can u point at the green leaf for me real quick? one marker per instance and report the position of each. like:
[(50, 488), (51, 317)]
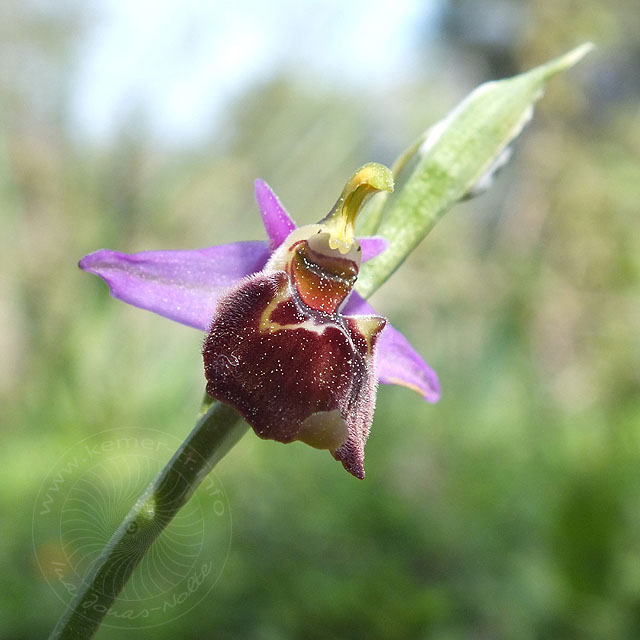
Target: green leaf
[(456, 157)]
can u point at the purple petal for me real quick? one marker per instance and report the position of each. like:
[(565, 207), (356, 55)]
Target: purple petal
[(180, 285), (372, 246), (398, 362), (274, 216)]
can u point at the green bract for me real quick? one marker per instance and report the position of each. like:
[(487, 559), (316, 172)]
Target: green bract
[(455, 157)]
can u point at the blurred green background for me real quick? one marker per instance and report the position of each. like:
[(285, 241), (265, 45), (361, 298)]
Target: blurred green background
[(511, 509)]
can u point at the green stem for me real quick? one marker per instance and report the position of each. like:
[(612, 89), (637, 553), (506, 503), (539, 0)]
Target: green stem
[(216, 432)]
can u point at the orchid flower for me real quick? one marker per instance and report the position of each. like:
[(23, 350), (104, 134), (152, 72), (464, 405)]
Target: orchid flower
[(290, 345)]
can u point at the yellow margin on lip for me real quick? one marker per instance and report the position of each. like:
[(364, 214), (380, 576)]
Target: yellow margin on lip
[(267, 326)]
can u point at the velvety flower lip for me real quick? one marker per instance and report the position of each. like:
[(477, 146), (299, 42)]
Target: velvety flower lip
[(185, 286)]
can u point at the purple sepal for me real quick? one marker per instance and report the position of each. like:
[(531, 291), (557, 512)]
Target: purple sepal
[(398, 362), (181, 285), (275, 218)]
